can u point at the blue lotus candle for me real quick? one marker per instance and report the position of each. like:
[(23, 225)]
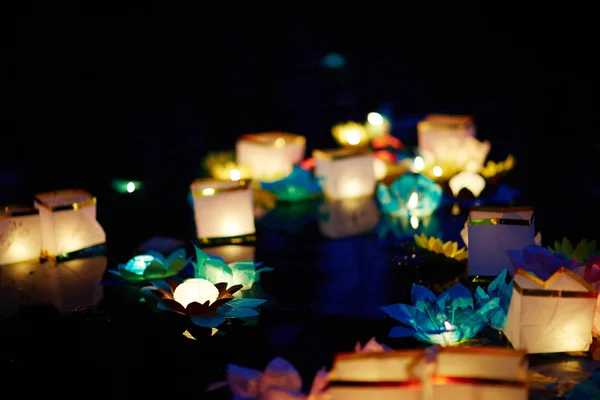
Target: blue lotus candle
[(299, 185), (151, 265), (501, 290), (411, 194)]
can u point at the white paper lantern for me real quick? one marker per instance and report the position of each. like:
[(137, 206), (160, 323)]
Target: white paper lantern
[(271, 155), (20, 236), (551, 316), (68, 222), (478, 373), (471, 181), (223, 210), (383, 376), (436, 127), (349, 217), (345, 173)]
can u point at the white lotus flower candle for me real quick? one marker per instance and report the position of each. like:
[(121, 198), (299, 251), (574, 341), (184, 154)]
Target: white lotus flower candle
[(469, 180)]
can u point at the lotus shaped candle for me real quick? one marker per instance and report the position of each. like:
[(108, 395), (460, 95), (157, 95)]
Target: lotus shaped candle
[(215, 270), (411, 194), (372, 346), (449, 249), (493, 169), (539, 261), (498, 288), (471, 181), (207, 305), (451, 155), (298, 186), (448, 319), (280, 380), (222, 165), (581, 252), (152, 265), (351, 134)]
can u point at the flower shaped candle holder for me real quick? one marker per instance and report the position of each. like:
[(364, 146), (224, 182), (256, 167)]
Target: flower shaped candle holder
[(298, 186), (207, 305), (223, 210), (351, 134), (580, 252), (345, 173), (68, 222), (494, 170), (448, 319), (539, 261), (222, 166), (500, 289), (151, 266), (20, 237), (271, 155), (452, 155), (449, 249), (411, 194), (439, 127), (471, 181)]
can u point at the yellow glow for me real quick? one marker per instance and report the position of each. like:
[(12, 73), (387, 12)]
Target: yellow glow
[(195, 290), (208, 191), (380, 168), (130, 187), (279, 142), (437, 171), (418, 164), (235, 175), (414, 222), (353, 138), (375, 119), (350, 187), (467, 180), (231, 228), (413, 201)]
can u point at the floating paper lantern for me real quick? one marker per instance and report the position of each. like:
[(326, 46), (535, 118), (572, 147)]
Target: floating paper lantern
[(436, 127), (471, 181), (378, 375), (551, 316), (345, 173), (270, 156), (477, 373), (411, 194), (20, 236), (223, 210), (351, 134), (68, 222), (492, 231), (350, 217)]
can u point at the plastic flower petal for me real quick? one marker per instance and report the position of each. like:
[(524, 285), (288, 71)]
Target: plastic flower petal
[(152, 265), (449, 249), (539, 261), (501, 290), (580, 252), (411, 194), (299, 185)]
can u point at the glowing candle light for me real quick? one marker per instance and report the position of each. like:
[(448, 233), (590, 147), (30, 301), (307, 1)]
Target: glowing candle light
[(418, 164), (437, 171), (196, 290), (413, 201)]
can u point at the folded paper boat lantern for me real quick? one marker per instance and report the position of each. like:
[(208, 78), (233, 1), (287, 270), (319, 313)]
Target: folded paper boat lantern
[(223, 210), (550, 316), (377, 375), (478, 373), (344, 218), (492, 231), (345, 173), (436, 127), (20, 236), (271, 155), (68, 222)]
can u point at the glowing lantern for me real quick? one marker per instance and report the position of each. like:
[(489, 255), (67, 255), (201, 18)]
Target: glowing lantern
[(436, 127), (477, 373), (68, 222), (125, 186), (270, 156), (223, 210), (378, 375), (492, 231), (350, 217), (351, 134), (196, 290), (377, 125), (411, 194), (550, 316), (345, 173), (471, 181), (20, 237)]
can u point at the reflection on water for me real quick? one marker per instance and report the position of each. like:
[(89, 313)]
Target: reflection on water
[(232, 253), (405, 227), (66, 285), (349, 217)]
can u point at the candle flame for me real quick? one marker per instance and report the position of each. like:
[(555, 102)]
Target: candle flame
[(414, 222), (235, 175), (208, 191), (437, 171), (448, 326), (353, 138), (418, 164), (413, 200)]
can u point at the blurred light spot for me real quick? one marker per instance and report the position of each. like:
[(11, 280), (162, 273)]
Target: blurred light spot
[(334, 60)]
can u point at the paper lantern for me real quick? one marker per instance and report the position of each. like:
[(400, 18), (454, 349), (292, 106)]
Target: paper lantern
[(494, 230), (195, 290), (386, 375), (223, 210), (232, 252), (350, 217), (471, 181), (68, 222), (477, 373), (270, 156), (345, 173), (351, 134), (436, 127), (550, 316), (20, 236)]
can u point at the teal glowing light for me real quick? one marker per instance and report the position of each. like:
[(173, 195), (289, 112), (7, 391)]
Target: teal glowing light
[(152, 265), (125, 186), (411, 194), (497, 289), (299, 185), (334, 61), (448, 319), (138, 264)]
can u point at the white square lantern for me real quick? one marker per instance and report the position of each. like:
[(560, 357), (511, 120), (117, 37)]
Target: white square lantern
[(550, 316), (489, 373), (435, 127), (20, 236), (68, 222), (271, 155), (383, 376), (223, 210), (349, 217), (345, 173), (492, 231)]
